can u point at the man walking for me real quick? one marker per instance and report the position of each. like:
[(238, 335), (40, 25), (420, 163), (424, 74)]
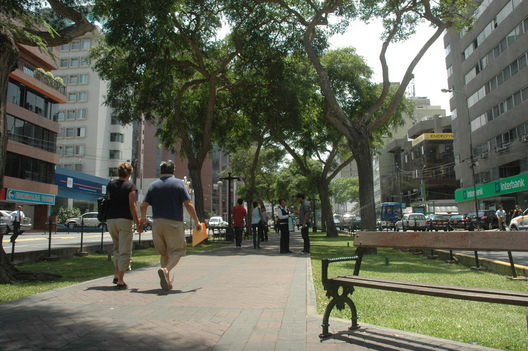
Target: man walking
[(239, 213), (166, 196), (304, 217), (17, 217), (283, 215)]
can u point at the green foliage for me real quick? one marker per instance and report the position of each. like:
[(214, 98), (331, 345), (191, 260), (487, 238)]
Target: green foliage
[(266, 173), (492, 325), (345, 189), (63, 214)]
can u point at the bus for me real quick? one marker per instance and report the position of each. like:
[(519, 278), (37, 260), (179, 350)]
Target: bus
[(388, 213)]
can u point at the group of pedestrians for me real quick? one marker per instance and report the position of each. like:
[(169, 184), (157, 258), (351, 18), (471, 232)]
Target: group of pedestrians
[(167, 196), (259, 223), (503, 219)]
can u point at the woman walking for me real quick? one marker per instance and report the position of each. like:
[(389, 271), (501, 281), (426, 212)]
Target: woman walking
[(255, 225), (122, 213)]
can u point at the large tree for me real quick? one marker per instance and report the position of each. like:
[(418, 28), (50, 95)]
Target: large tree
[(34, 23), (166, 61), (400, 18)]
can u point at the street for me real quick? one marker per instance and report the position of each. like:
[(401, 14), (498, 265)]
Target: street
[(39, 241)]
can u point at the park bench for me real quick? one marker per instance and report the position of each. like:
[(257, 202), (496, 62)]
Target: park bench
[(339, 288)]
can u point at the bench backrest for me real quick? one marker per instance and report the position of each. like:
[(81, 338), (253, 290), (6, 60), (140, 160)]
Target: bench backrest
[(476, 240)]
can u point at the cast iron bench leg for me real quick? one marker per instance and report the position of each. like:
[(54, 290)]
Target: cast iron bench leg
[(339, 301)]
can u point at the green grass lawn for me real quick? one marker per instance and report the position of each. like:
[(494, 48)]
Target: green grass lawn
[(486, 324), (79, 269)]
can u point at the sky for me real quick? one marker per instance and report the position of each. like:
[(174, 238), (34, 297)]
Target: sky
[(430, 75)]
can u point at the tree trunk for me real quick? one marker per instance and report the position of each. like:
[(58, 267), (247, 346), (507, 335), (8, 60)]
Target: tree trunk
[(362, 152), (327, 217), (195, 171)]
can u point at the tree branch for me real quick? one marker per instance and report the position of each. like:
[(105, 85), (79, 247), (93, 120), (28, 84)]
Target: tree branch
[(396, 99)]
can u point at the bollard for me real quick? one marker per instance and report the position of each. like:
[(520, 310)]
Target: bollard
[(477, 262), (451, 258), (12, 251), (512, 265), (100, 251), (81, 252), (50, 257)]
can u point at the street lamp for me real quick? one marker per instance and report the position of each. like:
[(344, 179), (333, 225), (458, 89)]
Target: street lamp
[(471, 157), (229, 178)]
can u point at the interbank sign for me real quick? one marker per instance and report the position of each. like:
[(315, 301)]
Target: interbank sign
[(498, 187)]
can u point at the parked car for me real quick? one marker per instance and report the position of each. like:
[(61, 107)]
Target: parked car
[(520, 222), (5, 216), (437, 222), (486, 219), (458, 221), (412, 221), (89, 219), (218, 221), (148, 224), (337, 222)]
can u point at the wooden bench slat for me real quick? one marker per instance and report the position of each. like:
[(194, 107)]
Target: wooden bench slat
[(445, 287), (434, 291), (476, 240)]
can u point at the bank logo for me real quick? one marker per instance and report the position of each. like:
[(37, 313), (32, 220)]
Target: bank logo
[(497, 187)]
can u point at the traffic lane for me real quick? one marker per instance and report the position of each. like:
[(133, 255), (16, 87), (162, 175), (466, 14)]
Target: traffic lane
[(518, 257), (39, 241)]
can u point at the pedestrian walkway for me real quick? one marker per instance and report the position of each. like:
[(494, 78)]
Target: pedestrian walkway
[(226, 299)]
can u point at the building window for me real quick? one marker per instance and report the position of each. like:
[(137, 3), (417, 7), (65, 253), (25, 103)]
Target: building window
[(65, 47), (83, 78), (74, 80), (86, 44), (61, 115), (85, 61), (30, 134), (117, 137), (83, 96), (23, 167), (115, 154), (114, 121), (64, 63), (75, 45), (113, 172), (74, 62), (82, 113), (14, 93), (72, 97)]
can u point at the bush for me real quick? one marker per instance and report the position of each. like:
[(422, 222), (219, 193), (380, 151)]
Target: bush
[(64, 213)]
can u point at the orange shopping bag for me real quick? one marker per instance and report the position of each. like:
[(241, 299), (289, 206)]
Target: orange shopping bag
[(199, 235)]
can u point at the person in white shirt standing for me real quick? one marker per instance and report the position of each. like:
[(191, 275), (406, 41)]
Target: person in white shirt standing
[(501, 217), (17, 217)]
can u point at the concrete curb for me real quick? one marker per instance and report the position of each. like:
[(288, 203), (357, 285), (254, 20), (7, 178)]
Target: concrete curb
[(495, 266)]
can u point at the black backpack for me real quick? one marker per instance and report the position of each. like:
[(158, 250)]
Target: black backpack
[(103, 204)]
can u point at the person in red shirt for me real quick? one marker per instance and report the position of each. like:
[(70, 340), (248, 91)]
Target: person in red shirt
[(239, 214)]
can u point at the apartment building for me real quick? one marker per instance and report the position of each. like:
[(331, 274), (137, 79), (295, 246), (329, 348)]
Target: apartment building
[(416, 164), (33, 98), (488, 79), (90, 140)]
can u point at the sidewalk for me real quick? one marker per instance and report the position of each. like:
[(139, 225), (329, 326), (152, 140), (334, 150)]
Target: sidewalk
[(226, 299)]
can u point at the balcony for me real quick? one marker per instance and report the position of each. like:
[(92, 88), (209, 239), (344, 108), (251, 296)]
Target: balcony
[(40, 82), (50, 81)]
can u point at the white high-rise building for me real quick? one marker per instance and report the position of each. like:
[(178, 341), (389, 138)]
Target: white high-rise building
[(90, 141)]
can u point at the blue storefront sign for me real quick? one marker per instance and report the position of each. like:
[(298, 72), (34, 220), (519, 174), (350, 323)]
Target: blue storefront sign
[(79, 186), (29, 197)]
